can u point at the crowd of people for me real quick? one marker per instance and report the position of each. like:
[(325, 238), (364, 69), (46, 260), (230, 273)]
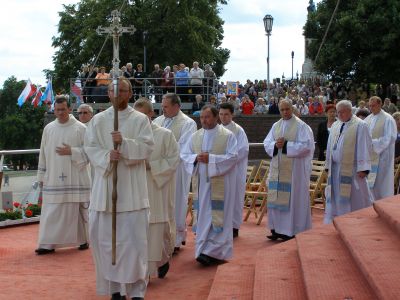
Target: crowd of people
[(158, 161)]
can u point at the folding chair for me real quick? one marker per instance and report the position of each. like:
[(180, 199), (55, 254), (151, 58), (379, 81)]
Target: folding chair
[(317, 179)]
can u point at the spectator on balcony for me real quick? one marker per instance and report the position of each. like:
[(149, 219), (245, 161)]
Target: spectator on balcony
[(273, 108), (389, 107), (167, 80), (181, 81), (129, 73), (196, 79), (302, 108), (102, 78), (236, 104), (361, 105), (323, 130), (260, 107), (197, 105), (222, 100), (220, 94), (139, 81), (213, 101), (209, 79), (315, 106), (247, 105), (157, 76)]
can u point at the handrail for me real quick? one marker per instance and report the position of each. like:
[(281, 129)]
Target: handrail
[(12, 152)]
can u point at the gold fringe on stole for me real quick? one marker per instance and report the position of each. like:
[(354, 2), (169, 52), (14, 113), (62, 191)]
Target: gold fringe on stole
[(217, 183), (280, 177), (348, 157), (377, 132)]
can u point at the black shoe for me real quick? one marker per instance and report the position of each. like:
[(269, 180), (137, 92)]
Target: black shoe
[(274, 236), (204, 260), (163, 270), (83, 246), (183, 243), (42, 251), (137, 298), (117, 296), (235, 232), (286, 237)]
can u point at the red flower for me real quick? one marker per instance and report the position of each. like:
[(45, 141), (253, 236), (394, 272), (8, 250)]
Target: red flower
[(28, 213), (30, 204), (16, 204)]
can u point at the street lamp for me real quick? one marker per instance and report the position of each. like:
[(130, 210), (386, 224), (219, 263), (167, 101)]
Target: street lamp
[(268, 22), (292, 63)]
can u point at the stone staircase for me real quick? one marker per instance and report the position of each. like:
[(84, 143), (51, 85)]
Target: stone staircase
[(356, 257)]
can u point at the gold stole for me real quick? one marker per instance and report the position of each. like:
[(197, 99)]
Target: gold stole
[(216, 183), (377, 132), (232, 126), (348, 157), (280, 176)]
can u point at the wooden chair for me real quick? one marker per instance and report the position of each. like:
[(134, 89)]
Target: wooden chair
[(258, 196), (261, 173), (249, 180), (317, 180)]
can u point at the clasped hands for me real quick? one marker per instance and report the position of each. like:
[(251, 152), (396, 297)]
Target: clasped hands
[(202, 157), (280, 142), (66, 150), (115, 155)]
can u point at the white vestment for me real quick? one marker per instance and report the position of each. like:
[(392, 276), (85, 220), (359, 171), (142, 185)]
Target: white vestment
[(241, 170), (384, 147), (298, 217), (215, 244), (129, 275), (182, 127), (161, 186), (360, 196), (66, 186)]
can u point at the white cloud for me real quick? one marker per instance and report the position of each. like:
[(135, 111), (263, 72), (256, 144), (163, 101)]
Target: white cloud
[(28, 26)]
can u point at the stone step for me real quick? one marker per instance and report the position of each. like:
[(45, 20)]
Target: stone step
[(389, 211), (232, 281), (375, 249), (277, 273), (329, 271)]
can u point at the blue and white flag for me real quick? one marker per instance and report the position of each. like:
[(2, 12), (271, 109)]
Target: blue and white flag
[(48, 95)]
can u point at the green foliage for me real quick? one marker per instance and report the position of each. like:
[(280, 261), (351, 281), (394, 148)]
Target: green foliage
[(35, 208), (21, 128), (362, 42), (10, 215), (178, 31)]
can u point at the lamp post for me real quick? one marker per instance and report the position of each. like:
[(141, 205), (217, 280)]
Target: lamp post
[(268, 22), (144, 50), (292, 63)]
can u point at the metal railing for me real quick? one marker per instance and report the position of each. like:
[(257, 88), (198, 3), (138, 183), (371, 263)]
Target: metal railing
[(152, 88)]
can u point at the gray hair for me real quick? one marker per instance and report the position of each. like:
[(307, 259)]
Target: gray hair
[(85, 106), (344, 103), (396, 115)]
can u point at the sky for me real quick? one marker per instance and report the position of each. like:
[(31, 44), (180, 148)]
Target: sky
[(28, 27)]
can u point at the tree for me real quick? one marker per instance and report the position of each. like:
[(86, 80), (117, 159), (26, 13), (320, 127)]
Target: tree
[(178, 31), (21, 128), (362, 42)]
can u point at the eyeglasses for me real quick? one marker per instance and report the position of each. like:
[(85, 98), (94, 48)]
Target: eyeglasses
[(82, 113)]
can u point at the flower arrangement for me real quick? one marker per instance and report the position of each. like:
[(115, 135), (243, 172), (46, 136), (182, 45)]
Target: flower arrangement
[(20, 211)]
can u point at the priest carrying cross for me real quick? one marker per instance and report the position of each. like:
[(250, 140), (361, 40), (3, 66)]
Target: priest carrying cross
[(135, 139)]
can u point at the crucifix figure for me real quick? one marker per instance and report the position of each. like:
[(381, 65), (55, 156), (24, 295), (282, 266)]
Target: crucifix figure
[(115, 30), (62, 177)]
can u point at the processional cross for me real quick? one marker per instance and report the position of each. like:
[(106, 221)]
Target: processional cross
[(115, 30)]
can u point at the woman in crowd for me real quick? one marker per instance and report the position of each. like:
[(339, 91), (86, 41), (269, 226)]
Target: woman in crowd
[(260, 107), (324, 129), (247, 106), (167, 82)]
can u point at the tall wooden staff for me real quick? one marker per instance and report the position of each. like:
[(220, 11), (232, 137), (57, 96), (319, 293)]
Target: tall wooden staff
[(115, 30)]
